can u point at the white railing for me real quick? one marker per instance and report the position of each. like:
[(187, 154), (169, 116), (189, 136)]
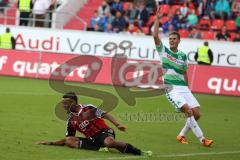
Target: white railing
[(69, 6), (58, 20)]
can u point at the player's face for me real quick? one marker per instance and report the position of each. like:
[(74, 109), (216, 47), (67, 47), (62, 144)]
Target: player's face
[(173, 41), (69, 104)]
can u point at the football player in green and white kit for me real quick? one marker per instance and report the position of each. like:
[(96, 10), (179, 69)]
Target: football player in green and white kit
[(174, 63)]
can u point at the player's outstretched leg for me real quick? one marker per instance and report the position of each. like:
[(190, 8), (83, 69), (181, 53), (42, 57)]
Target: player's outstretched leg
[(181, 136), (123, 147), (192, 123), (82, 143)]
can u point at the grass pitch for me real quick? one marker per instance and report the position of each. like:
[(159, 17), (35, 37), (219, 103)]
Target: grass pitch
[(27, 116)]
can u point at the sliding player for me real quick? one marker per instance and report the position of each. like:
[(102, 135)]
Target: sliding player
[(89, 120)]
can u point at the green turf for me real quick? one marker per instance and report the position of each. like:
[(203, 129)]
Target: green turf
[(27, 115)]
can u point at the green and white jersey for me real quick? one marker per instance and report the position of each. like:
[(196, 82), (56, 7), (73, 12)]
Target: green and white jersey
[(174, 65)]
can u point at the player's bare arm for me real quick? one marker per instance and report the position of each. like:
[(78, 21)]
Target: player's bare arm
[(156, 28), (115, 122), (185, 77)]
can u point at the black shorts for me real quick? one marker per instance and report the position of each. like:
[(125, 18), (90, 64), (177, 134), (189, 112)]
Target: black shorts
[(97, 141)]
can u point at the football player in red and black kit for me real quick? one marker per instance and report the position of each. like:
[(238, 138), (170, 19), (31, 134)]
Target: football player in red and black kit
[(89, 120)]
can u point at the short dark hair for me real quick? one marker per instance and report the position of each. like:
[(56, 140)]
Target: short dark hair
[(71, 95), (7, 30), (175, 33), (205, 43)]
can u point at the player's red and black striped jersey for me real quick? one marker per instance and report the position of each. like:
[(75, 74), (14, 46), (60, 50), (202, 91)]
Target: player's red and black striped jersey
[(89, 122)]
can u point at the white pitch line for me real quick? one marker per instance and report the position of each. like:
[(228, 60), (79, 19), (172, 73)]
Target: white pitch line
[(164, 156), (199, 154)]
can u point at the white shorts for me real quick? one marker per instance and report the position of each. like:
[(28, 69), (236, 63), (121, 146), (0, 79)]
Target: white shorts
[(180, 95)]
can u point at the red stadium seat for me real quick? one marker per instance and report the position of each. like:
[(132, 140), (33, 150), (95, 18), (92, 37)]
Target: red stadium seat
[(165, 9), (233, 35), (217, 24), (204, 24), (230, 25), (125, 6), (164, 19), (174, 8), (183, 33), (1, 20), (145, 30), (208, 35), (151, 20)]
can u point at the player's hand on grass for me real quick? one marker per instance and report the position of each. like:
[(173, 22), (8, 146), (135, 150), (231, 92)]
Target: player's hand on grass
[(122, 128)]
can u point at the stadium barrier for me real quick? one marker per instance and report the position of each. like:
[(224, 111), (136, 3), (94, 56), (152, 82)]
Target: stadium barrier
[(40, 65), (91, 43)]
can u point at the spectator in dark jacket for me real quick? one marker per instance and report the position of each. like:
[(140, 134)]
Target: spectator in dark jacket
[(143, 15), (237, 38), (223, 35), (117, 5), (132, 12), (119, 23), (3, 3)]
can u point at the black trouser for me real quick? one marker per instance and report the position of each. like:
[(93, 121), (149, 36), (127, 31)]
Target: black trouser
[(24, 22), (203, 63), (96, 141)]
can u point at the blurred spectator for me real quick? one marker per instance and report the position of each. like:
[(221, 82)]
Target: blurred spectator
[(237, 38), (116, 5), (182, 22), (25, 7), (159, 2), (40, 9), (95, 19), (150, 5), (223, 35), (53, 4), (205, 7), (104, 8), (235, 8), (108, 28), (105, 20), (238, 23), (132, 29), (2, 5), (143, 15), (222, 10), (170, 24), (184, 9), (204, 55), (132, 12), (109, 2), (119, 23), (192, 18), (196, 3), (195, 33), (170, 29), (97, 28), (7, 41), (167, 2), (190, 4)]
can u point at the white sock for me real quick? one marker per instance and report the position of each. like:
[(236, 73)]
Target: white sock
[(185, 129), (195, 128)]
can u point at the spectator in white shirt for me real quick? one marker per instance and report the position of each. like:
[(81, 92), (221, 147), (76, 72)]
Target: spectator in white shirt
[(40, 9)]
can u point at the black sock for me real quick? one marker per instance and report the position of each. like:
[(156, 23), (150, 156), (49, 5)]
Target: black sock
[(133, 150)]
